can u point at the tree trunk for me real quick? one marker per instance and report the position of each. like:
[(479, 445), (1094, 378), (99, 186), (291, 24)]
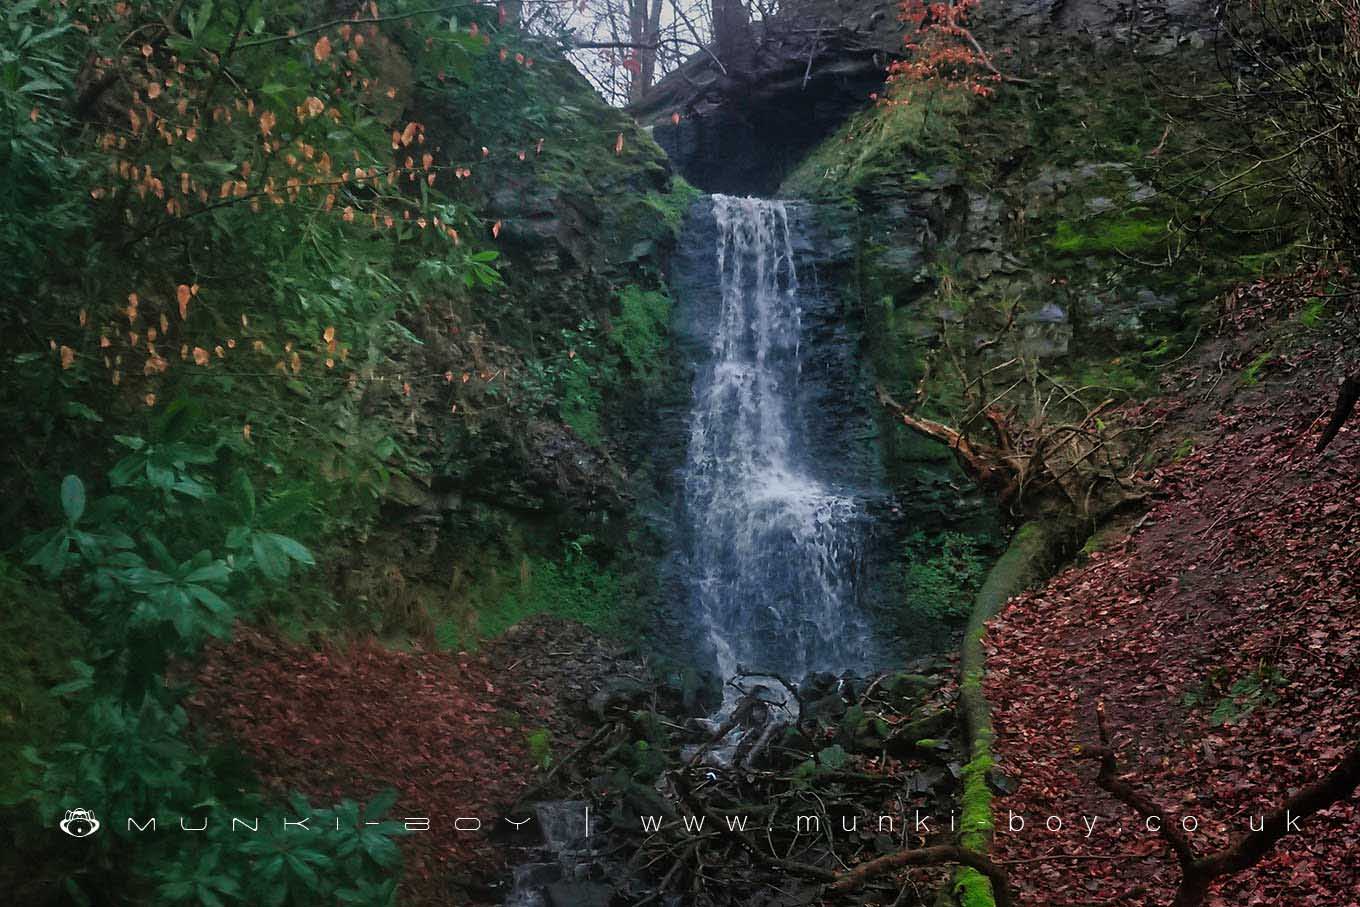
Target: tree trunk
[(731, 33)]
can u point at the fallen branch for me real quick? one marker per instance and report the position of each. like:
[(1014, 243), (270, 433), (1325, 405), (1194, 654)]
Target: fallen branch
[(1199, 873), (928, 856), (1346, 399)]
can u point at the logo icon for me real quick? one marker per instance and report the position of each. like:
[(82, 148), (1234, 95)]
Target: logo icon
[(79, 823)]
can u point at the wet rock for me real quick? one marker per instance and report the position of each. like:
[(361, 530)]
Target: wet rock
[(905, 738), (829, 709), (579, 894), (618, 694)]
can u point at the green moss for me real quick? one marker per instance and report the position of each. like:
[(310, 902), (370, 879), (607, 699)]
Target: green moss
[(973, 889), (639, 331), (1109, 234), (581, 402), (673, 205), (1251, 375), (540, 747), (885, 144)]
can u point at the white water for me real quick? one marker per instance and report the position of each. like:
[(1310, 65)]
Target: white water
[(774, 547)]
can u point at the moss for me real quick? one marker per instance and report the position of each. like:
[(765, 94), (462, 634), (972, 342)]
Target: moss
[(1108, 235), (581, 401), (885, 144), (639, 332), (673, 205), (1032, 551), (1251, 375), (973, 889), (540, 747)]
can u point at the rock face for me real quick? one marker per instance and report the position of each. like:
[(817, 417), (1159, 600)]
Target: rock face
[(1108, 19), (745, 123)]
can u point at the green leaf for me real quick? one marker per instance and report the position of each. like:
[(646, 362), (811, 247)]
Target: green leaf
[(73, 498), (79, 410), (272, 561), (292, 549), (245, 494), (83, 680)]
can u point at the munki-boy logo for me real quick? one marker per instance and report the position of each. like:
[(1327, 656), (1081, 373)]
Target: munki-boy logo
[(79, 823)]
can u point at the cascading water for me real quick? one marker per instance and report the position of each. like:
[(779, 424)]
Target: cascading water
[(774, 545)]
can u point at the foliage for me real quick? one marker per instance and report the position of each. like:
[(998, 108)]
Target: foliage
[(943, 572), (255, 217), (575, 587), (1233, 702), (152, 594), (941, 50)]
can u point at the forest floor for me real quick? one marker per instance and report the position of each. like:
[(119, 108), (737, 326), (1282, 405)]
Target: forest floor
[(458, 735), (1220, 632)]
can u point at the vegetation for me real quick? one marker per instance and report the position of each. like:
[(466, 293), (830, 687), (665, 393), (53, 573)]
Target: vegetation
[(283, 269)]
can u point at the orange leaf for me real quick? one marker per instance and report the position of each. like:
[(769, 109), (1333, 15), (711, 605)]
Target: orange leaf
[(150, 399), (182, 293), (200, 356), (68, 357), (618, 144), (496, 230), (328, 334), (322, 49)]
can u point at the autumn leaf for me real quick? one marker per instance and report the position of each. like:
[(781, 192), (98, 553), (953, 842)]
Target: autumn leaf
[(496, 230), (68, 357), (200, 356), (267, 121), (328, 334), (322, 49), (618, 144), (182, 294)]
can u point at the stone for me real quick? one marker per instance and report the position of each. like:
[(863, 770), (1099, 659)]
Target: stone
[(579, 894)]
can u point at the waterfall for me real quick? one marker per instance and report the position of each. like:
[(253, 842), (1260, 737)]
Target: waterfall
[(774, 545)]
